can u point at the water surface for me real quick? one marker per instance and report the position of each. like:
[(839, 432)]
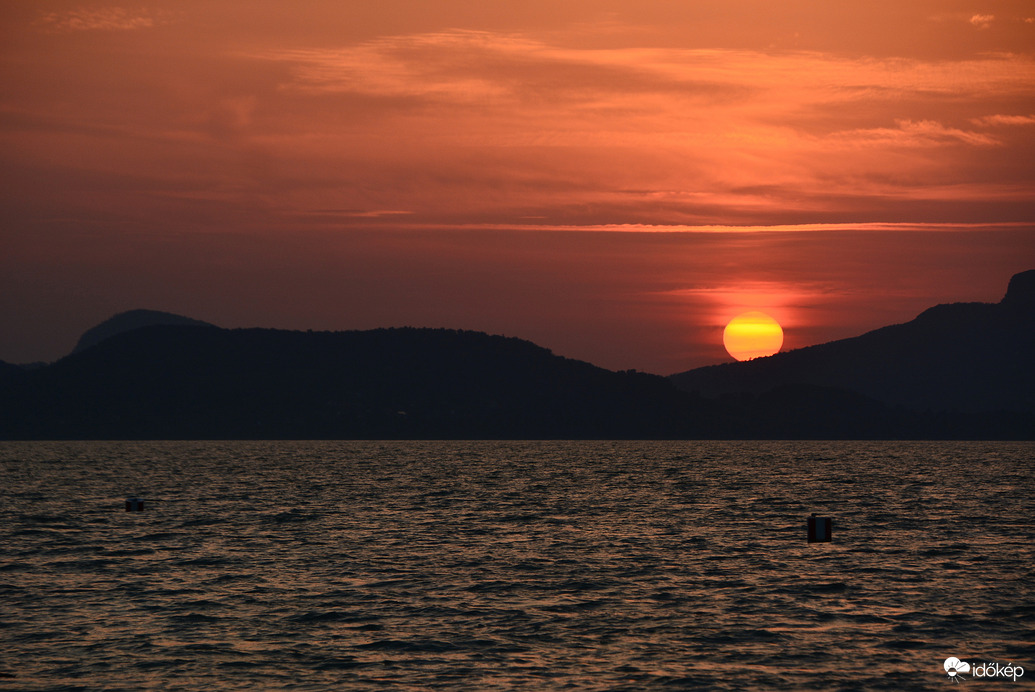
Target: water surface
[(512, 565)]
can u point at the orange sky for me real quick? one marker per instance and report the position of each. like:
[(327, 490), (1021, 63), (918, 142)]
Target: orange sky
[(611, 179)]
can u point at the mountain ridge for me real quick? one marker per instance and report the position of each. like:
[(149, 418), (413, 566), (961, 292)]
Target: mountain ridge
[(207, 382), (957, 356), (193, 380)]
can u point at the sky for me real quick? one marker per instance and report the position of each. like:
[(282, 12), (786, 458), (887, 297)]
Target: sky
[(611, 179)]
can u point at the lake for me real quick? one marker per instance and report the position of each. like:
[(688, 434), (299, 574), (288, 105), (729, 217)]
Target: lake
[(515, 565)]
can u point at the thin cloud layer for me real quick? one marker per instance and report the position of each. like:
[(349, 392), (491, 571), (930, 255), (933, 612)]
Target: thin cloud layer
[(696, 130), (982, 21), (129, 130), (467, 125), (98, 19)]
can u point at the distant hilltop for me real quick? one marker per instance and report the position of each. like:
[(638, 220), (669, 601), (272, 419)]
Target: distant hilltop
[(967, 357), (963, 370), (1020, 294), (128, 321), (204, 382)]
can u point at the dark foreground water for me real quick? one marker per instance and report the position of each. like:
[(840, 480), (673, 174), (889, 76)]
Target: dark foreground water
[(514, 565)]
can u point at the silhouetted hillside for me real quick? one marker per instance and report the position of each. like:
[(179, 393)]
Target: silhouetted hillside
[(130, 320), (964, 357), (955, 372), (206, 382), (9, 371)]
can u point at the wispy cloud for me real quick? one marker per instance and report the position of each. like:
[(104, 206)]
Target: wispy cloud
[(99, 19), (333, 214), (909, 133), (733, 99), (999, 119), (486, 128), (982, 21), (481, 64), (651, 135)]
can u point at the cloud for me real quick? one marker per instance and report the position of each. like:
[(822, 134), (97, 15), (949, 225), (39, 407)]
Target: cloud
[(982, 21), (390, 67), (478, 65), (483, 128), (98, 19), (479, 127), (909, 133), (337, 214), (1005, 120)]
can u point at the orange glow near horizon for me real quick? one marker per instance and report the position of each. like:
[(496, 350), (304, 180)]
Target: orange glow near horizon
[(613, 179), (752, 335)]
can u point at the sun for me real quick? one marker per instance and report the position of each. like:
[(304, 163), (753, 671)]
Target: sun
[(752, 335)]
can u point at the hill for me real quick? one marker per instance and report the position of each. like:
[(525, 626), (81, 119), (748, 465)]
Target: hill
[(130, 320), (9, 371), (961, 371), (206, 382), (968, 358)]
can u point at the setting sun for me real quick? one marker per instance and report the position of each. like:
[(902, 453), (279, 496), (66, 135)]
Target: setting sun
[(752, 335)]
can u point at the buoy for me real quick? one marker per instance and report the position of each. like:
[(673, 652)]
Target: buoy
[(819, 529), (134, 504)]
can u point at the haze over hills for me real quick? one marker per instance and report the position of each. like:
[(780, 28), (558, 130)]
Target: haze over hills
[(966, 357), (956, 371)]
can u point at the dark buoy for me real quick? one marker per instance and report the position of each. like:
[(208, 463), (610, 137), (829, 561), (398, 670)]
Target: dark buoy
[(819, 529), (134, 504)]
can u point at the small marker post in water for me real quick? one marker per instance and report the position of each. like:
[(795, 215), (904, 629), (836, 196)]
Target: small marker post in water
[(134, 504), (819, 528)]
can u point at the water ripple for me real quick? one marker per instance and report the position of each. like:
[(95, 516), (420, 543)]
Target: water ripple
[(512, 565)]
